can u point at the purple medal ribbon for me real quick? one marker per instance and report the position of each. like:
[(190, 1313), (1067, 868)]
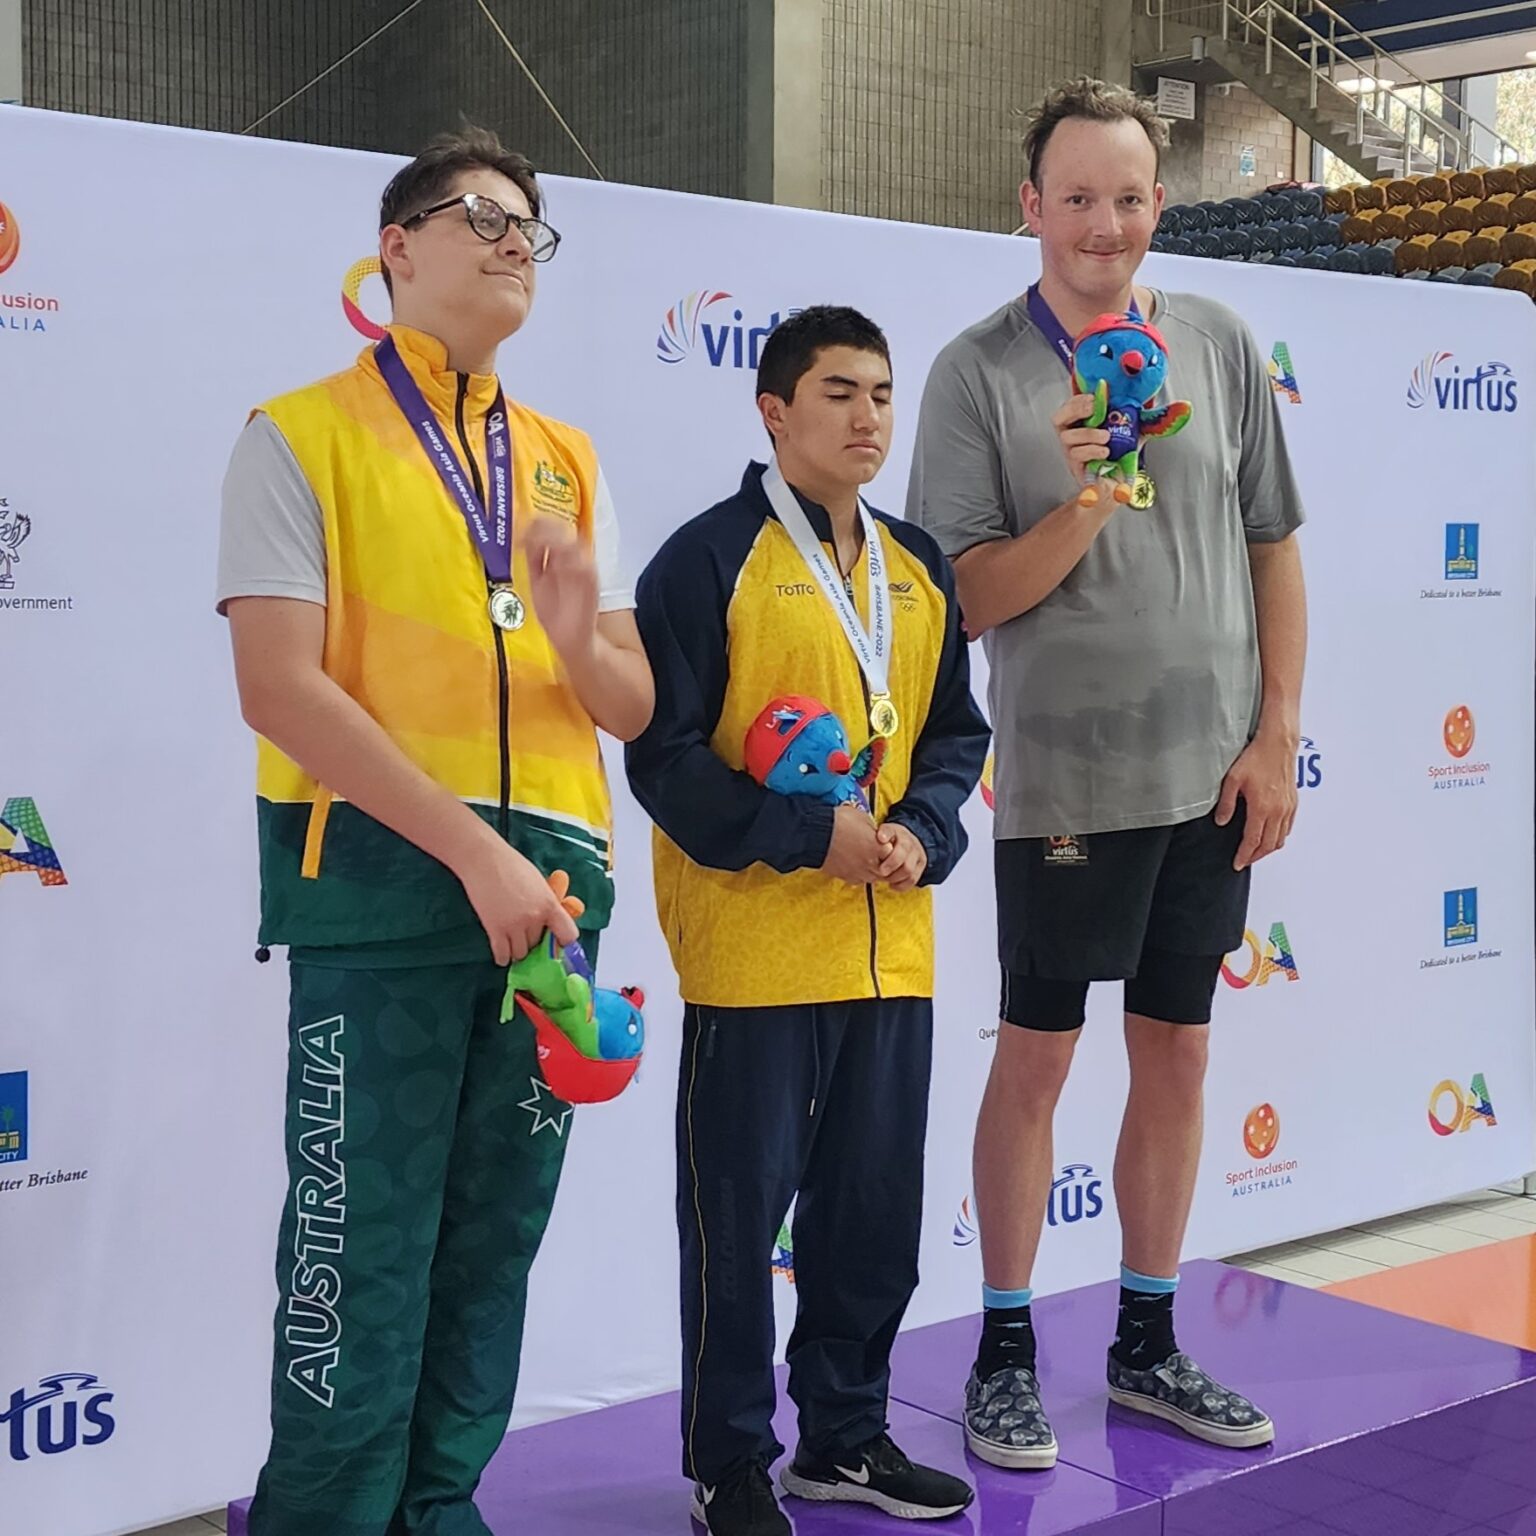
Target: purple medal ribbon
[(1051, 328), (493, 536)]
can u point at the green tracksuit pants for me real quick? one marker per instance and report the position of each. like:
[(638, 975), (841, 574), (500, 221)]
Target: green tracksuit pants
[(423, 1154)]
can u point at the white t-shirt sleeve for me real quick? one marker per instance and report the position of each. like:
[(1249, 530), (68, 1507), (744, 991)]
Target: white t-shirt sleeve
[(616, 591), (271, 530)]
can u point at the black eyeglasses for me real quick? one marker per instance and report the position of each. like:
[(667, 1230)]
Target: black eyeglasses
[(491, 221)]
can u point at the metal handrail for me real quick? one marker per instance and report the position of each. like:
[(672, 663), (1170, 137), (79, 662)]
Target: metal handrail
[(1464, 138), (1260, 17)]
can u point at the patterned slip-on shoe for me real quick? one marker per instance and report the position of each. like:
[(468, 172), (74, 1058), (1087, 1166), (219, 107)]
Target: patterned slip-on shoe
[(1180, 1392), (1004, 1422)]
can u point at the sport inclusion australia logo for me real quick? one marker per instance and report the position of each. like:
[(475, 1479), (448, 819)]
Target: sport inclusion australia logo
[(21, 312), (1453, 1108), (25, 846), (1077, 1194), (724, 340), (59, 1414), (1261, 1141), (1264, 961), (1282, 375), (351, 297), (1439, 381), (1458, 733), (13, 1117)]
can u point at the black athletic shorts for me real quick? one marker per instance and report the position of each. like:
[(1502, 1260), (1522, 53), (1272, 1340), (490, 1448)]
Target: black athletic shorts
[(1087, 908)]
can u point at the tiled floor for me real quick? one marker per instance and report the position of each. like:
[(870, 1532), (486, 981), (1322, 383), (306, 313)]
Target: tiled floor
[(1469, 1221)]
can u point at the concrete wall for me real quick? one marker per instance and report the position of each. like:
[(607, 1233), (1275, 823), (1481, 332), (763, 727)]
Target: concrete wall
[(1236, 119), (215, 64), (923, 101), (907, 109)]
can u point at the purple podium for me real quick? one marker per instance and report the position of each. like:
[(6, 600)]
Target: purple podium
[(1385, 1427)]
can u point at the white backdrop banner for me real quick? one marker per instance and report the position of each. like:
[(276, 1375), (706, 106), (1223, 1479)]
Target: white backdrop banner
[(1373, 1048)]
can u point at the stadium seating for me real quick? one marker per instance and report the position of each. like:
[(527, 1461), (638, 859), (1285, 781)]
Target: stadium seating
[(1475, 227)]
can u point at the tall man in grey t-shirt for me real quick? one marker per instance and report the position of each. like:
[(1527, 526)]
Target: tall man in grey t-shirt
[(1146, 667)]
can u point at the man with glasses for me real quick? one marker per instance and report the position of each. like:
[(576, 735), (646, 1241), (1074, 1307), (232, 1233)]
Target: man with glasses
[(429, 623)]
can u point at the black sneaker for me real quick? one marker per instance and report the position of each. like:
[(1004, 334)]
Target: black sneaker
[(1182, 1394), (742, 1505), (877, 1473), (1004, 1422)]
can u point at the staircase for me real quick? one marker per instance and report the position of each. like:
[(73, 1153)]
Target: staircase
[(1330, 79)]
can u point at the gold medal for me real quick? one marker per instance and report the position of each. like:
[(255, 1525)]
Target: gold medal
[(883, 719), (506, 608), (1143, 490)]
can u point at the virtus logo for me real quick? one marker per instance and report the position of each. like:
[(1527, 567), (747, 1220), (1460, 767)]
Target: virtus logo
[(727, 340), (60, 1413), (1439, 381), (1453, 1108), (1076, 1195), (1309, 765), (965, 1231)]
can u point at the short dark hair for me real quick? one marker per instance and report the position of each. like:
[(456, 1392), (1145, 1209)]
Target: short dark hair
[(428, 178), (1098, 101), (791, 348)]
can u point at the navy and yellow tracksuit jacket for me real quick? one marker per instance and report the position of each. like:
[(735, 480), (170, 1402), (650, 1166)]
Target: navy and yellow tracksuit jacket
[(732, 618)]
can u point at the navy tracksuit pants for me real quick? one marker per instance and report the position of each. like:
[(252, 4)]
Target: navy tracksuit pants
[(829, 1102)]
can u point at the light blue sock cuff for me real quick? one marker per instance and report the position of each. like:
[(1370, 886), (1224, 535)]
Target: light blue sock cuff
[(991, 1298), (1148, 1285)]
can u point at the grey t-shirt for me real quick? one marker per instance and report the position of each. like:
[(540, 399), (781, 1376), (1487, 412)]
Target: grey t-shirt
[(272, 532), (1122, 699)]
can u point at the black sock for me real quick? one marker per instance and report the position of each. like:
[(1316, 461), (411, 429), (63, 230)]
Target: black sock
[(1007, 1341), (1144, 1338)]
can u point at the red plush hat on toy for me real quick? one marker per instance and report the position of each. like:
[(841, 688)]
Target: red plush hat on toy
[(771, 733)]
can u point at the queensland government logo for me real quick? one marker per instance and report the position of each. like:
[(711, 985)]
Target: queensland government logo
[(20, 310), (1282, 375), (59, 1414), (1453, 1108), (13, 1117), (15, 530), (25, 846), (1261, 1141), (1458, 735), (727, 339), (1439, 381), (1261, 963)]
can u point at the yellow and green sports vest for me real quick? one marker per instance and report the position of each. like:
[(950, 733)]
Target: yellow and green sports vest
[(408, 636)]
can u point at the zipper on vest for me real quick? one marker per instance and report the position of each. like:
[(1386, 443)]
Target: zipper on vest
[(869, 890), (503, 690)]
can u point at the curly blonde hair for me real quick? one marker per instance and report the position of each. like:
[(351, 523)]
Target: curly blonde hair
[(1099, 102)]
